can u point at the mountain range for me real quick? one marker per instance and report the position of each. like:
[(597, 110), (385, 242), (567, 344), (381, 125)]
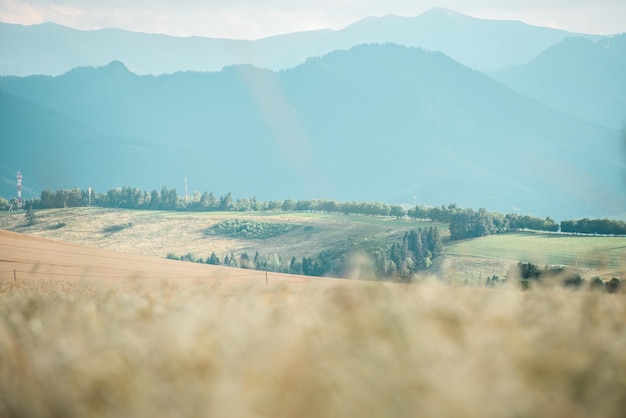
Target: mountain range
[(577, 76), (487, 45), (375, 122)]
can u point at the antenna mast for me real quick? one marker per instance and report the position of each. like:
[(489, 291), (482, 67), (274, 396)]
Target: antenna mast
[(19, 190), (185, 189)]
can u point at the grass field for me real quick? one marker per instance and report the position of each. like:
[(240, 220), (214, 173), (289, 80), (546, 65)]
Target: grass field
[(604, 256), (157, 233), (92, 332), (189, 348)]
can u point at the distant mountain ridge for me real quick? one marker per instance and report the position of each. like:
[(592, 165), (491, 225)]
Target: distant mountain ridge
[(478, 43), (577, 76), (376, 122)]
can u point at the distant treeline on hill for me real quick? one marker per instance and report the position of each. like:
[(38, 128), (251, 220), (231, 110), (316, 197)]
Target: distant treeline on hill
[(168, 199), (594, 226), (464, 223), (468, 223), (398, 261)]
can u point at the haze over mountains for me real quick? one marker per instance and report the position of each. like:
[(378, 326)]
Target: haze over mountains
[(577, 76), (482, 44), (375, 122)]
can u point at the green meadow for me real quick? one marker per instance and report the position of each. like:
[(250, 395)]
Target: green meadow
[(586, 252)]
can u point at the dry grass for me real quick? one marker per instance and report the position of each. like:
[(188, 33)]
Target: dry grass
[(29, 257), (191, 349), (206, 342), (158, 233), (137, 336)]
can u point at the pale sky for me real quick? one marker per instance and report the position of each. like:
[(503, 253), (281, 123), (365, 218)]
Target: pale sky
[(252, 19)]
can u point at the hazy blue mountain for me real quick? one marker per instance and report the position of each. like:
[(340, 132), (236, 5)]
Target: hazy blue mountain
[(479, 43), (615, 46), (577, 76), (377, 122), (54, 151)]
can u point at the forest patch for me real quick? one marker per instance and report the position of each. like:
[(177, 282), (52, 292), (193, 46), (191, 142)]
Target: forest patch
[(244, 228)]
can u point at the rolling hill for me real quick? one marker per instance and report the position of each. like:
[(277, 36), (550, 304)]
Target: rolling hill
[(55, 149), (26, 257), (217, 345), (377, 122), (154, 234), (479, 43)]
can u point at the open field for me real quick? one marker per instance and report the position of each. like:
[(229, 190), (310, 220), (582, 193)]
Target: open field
[(24, 257), (185, 340), (158, 233), (93, 332), (603, 256)]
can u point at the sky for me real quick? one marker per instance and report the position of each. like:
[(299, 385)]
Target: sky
[(253, 19)]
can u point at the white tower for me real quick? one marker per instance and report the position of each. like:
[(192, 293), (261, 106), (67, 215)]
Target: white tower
[(185, 189), (19, 190)]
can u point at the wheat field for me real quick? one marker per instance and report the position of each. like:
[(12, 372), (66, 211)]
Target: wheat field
[(141, 348), (210, 344)]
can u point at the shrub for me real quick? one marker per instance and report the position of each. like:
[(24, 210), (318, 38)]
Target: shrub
[(613, 285), (31, 219), (250, 229), (57, 226), (116, 228)]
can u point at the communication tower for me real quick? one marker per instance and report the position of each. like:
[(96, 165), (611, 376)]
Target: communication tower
[(19, 190), (185, 189)]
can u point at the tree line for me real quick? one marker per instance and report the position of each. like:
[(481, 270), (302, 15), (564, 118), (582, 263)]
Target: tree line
[(169, 199), (468, 223), (398, 261), (594, 226), (463, 223)]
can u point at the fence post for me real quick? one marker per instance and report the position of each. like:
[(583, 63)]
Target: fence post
[(14, 275), (266, 277)]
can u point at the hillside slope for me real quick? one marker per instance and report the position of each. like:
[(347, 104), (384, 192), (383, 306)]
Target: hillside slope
[(377, 122), (158, 233), (34, 258), (57, 150), (578, 77)]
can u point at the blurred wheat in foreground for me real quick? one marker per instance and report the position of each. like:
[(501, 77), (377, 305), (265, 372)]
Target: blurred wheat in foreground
[(182, 349)]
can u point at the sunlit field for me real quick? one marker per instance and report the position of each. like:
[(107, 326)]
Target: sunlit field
[(584, 251), (194, 348), (158, 233), (592, 255)]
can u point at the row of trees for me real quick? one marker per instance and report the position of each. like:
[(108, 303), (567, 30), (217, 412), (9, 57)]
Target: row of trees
[(168, 199), (327, 262), (464, 223), (468, 223), (398, 261), (594, 226)]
